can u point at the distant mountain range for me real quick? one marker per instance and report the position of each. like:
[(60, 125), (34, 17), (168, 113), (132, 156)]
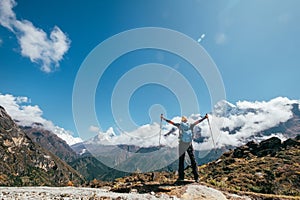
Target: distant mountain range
[(105, 159), (233, 125)]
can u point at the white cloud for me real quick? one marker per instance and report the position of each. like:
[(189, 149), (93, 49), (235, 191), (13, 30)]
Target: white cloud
[(250, 118), (94, 129), (243, 121), (221, 38), (143, 136), (7, 16), (26, 115), (34, 42), (247, 118)]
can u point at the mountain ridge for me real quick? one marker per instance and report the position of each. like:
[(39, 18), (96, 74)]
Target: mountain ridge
[(50, 141), (26, 163), (124, 152), (287, 129), (259, 156)]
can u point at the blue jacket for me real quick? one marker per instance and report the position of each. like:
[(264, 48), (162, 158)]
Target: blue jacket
[(185, 132), (185, 129)]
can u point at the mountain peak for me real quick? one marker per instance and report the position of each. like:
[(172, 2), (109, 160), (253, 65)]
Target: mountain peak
[(224, 108), (110, 132), (103, 136)]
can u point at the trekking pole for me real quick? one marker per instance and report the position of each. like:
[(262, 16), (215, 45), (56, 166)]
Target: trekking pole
[(160, 126), (212, 137)]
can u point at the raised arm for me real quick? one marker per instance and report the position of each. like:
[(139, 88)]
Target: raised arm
[(200, 120), (169, 121)]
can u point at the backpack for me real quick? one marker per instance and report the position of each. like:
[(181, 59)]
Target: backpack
[(186, 133)]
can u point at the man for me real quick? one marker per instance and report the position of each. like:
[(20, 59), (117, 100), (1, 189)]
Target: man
[(185, 144)]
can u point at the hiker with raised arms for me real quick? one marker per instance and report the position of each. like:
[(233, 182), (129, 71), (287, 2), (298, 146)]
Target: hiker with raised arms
[(185, 144)]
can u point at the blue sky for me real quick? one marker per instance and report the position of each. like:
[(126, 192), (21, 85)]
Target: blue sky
[(255, 45)]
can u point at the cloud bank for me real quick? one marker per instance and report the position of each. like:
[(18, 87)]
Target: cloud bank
[(236, 124), (20, 110), (232, 125), (34, 42)]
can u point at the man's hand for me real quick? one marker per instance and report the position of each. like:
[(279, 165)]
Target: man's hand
[(162, 117), (206, 116)]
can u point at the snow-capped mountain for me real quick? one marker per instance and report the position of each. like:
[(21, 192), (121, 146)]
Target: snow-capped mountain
[(224, 109), (232, 125), (237, 124)]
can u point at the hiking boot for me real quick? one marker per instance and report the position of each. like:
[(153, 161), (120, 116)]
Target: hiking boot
[(180, 180)]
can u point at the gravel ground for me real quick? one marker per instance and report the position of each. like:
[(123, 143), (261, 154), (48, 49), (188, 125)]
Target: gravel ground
[(70, 193), (192, 191)]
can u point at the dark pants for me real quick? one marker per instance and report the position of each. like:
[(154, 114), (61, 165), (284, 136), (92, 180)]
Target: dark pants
[(183, 147)]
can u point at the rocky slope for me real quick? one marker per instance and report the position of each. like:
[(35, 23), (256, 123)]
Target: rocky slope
[(270, 167), (24, 162), (50, 141)]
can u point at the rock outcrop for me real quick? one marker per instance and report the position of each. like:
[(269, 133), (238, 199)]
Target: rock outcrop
[(267, 147)]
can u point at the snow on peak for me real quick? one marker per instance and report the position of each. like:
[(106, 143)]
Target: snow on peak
[(143, 136), (104, 137), (110, 132), (224, 108), (230, 125), (24, 114)]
